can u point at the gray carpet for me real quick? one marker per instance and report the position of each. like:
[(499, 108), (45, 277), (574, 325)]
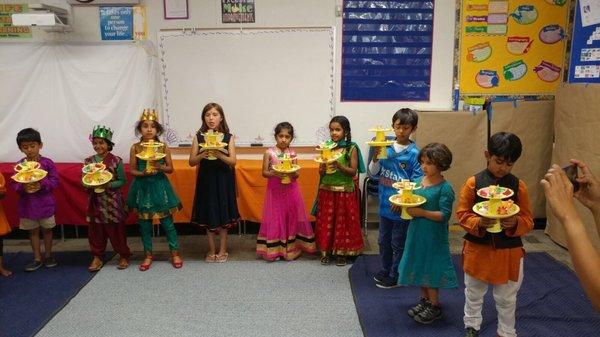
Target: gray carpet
[(300, 298)]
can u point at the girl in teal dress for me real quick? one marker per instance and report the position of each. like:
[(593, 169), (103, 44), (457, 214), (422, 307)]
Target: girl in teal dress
[(151, 194), (426, 261)]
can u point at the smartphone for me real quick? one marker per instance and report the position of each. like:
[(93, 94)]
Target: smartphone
[(571, 172)]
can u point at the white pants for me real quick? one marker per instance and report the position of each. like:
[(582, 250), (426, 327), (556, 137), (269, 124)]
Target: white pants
[(505, 296)]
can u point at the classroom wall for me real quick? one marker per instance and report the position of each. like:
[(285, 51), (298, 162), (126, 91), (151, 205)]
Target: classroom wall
[(290, 13), (576, 133)]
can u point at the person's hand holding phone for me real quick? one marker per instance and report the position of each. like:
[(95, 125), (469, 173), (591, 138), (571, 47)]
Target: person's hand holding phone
[(588, 191)]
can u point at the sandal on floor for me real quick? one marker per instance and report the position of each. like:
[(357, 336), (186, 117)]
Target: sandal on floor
[(178, 264), (340, 261), (95, 265), (222, 257), (325, 260), (211, 258), (146, 265), (123, 263)]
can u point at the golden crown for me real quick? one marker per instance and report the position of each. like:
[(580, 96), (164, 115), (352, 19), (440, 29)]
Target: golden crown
[(149, 115)]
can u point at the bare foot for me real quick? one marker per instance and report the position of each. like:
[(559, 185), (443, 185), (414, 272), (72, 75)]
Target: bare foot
[(5, 272)]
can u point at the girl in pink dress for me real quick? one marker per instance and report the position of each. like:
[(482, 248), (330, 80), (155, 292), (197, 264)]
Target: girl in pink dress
[(285, 230)]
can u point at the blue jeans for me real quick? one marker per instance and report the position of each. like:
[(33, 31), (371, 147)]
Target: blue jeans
[(392, 235)]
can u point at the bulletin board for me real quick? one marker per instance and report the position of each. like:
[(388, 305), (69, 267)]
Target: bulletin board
[(512, 47), (585, 43)]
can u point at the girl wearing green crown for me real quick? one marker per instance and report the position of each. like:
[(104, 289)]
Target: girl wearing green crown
[(106, 213)]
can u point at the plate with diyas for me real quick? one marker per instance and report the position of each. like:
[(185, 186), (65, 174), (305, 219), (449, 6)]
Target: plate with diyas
[(30, 176), (406, 184), (506, 209), (97, 178), (413, 201), (495, 192), (215, 146), (150, 157)]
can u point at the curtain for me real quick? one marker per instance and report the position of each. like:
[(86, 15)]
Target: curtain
[(63, 90)]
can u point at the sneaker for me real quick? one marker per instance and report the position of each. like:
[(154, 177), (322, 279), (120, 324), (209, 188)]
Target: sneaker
[(50, 262), (388, 283), (380, 276), (430, 314), (33, 266), (414, 311), (471, 332)]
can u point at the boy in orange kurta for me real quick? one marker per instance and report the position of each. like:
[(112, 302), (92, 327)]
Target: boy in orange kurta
[(4, 227), (494, 258)]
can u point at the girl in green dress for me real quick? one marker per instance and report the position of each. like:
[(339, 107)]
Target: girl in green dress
[(151, 194)]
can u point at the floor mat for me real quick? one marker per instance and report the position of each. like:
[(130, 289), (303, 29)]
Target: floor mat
[(29, 300), (551, 302)]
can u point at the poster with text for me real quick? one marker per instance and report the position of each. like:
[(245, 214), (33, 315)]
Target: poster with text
[(512, 47), (116, 23), (7, 30), (237, 11)]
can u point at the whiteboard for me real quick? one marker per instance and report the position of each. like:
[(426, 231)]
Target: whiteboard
[(259, 76)]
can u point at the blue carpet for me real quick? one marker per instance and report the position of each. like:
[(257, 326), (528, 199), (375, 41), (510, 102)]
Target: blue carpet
[(29, 300), (550, 303)]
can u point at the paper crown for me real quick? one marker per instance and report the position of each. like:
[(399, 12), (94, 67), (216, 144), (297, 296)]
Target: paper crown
[(102, 132), (149, 115)]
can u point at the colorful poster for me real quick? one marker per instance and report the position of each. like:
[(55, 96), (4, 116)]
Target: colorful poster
[(7, 30), (512, 47), (237, 11), (116, 23), (585, 47), (140, 26)]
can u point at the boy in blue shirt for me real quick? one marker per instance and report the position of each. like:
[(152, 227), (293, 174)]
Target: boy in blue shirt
[(401, 163)]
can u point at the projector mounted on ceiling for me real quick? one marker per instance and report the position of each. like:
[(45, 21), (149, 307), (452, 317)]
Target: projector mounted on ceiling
[(49, 18)]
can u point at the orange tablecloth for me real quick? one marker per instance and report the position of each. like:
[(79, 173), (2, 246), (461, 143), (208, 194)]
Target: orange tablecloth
[(250, 184)]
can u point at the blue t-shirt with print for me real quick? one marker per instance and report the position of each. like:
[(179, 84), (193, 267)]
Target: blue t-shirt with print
[(397, 166)]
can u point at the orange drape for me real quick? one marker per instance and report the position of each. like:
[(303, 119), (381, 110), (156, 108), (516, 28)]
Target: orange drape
[(250, 186)]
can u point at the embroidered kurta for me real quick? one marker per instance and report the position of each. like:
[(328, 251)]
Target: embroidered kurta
[(486, 262)]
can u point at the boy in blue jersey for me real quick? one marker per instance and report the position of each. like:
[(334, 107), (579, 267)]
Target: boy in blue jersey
[(401, 163)]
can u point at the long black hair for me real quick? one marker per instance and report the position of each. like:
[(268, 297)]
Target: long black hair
[(345, 124)]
